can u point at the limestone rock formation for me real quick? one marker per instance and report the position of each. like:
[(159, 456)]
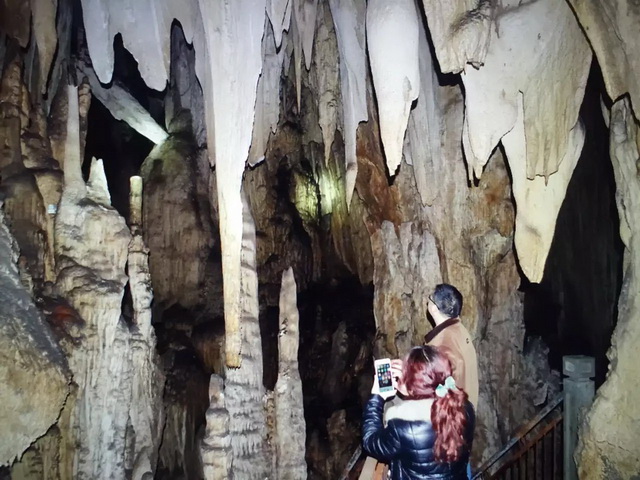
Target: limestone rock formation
[(290, 429), (33, 370), (613, 29), (610, 434), (349, 18), (114, 361), (244, 391), (460, 32), (216, 444), (394, 68)]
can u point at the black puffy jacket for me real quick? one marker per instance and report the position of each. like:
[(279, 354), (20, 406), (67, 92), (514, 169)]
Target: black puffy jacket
[(407, 442)]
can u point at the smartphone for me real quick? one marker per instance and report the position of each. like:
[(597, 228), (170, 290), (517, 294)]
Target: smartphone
[(383, 375)]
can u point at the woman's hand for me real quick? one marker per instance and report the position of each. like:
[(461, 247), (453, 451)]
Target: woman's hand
[(375, 390), (397, 367)]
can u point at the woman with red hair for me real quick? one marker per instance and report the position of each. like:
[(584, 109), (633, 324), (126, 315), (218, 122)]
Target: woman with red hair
[(428, 435)]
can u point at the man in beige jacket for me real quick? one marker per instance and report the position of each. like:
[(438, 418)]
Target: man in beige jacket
[(445, 305)]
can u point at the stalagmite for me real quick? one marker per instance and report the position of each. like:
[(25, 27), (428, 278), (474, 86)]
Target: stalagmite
[(460, 32), (550, 68), (146, 413), (233, 32), (326, 77), (33, 371), (279, 12), (215, 448), (610, 433), (123, 106), (290, 425), (244, 391), (44, 30), (349, 19), (91, 253), (613, 29), (177, 223), (395, 70), (92, 248)]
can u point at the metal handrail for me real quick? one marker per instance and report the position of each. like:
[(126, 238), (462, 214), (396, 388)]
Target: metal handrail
[(520, 433)]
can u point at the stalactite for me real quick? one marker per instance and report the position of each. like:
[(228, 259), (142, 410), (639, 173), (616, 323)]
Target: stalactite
[(267, 110), (610, 431), (279, 12), (459, 31), (44, 30), (349, 19), (537, 201), (612, 29), (233, 31), (426, 152), (290, 425), (394, 68), (123, 106), (549, 54), (326, 77), (244, 392)]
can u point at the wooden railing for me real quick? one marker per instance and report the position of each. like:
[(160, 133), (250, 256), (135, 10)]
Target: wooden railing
[(534, 452)]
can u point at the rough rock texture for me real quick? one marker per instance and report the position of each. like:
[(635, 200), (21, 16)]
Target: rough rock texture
[(146, 415), (290, 428), (422, 142), (178, 227), (472, 228), (216, 444), (44, 31), (185, 92), (244, 392), (267, 110), (29, 176), (460, 32), (92, 248), (33, 370), (613, 29), (326, 77), (279, 13), (406, 271), (547, 131), (394, 68), (611, 430), (349, 20)]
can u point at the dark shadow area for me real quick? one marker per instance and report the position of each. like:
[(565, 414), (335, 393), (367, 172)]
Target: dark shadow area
[(121, 148), (574, 308)]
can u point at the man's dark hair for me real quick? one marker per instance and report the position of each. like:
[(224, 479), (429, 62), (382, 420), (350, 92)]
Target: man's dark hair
[(448, 300)]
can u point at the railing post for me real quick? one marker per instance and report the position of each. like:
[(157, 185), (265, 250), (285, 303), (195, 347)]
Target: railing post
[(579, 390)]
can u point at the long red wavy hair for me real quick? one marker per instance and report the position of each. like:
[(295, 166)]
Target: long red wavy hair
[(425, 368)]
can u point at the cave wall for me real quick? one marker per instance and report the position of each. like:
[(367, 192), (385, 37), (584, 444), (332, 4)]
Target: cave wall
[(334, 192)]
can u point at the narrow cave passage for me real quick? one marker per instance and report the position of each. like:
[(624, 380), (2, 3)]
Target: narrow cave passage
[(574, 308)]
